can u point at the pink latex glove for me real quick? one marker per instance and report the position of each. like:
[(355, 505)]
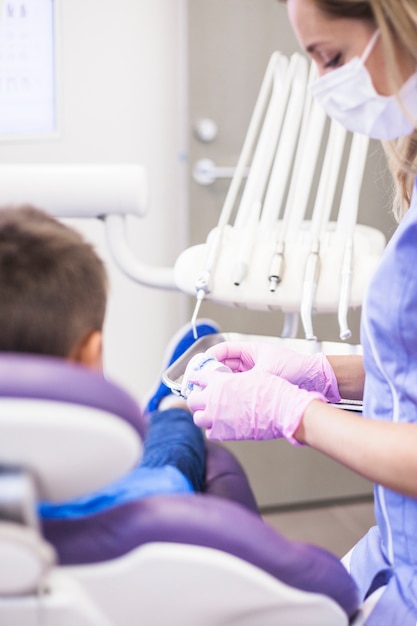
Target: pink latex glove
[(312, 372), (248, 405)]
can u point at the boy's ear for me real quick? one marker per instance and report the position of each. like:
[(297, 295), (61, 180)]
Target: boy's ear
[(89, 351)]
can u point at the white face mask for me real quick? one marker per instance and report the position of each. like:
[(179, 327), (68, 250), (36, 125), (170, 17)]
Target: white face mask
[(349, 97)]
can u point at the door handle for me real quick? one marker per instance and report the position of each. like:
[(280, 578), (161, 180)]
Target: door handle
[(206, 172)]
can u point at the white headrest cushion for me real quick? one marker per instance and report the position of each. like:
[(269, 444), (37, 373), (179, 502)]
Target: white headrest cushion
[(70, 449)]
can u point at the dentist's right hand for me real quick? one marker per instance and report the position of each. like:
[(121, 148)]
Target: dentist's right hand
[(248, 405), (312, 372)]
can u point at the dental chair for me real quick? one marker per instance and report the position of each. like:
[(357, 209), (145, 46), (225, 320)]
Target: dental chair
[(180, 560)]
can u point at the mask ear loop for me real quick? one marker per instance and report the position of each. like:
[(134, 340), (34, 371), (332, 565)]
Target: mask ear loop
[(370, 46), (364, 58)]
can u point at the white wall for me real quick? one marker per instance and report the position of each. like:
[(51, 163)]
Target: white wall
[(122, 91)]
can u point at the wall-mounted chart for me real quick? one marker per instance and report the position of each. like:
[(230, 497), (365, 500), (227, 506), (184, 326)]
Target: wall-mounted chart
[(27, 68)]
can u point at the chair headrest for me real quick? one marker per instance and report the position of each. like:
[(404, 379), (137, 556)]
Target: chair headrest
[(74, 430)]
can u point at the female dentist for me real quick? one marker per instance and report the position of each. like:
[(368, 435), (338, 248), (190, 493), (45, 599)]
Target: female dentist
[(366, 54)]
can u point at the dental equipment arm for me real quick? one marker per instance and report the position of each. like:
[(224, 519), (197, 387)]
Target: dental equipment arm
[(127, 261), (348, 214), (310, 372), (106, 191), (247, 405), (294, 207), (320, 219), (203, 282)]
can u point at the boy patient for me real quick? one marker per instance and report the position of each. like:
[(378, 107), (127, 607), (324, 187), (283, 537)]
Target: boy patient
[(54, 294)]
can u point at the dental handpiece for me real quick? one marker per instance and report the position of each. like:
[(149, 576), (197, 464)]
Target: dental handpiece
[(311, 279), (276, 268), (346, 281), (199, 299), (202, 289)]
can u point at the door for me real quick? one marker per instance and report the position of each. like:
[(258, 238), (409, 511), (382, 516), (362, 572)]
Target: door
[(229, 47)]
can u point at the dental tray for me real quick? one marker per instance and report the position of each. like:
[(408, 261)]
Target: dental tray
[(173, 375)]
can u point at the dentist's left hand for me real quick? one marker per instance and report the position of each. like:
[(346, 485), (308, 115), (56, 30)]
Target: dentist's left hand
[(248, 405)]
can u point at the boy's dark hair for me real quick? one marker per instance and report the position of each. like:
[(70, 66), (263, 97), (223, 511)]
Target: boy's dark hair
[(53, 286)]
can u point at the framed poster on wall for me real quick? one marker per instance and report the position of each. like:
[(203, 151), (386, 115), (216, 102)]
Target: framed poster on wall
[(27, 69)]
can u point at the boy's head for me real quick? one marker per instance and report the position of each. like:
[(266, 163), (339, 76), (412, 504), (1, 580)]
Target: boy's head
[(53, 288)]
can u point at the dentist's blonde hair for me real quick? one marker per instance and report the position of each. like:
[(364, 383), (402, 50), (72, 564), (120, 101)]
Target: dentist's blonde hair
[(397, 22)]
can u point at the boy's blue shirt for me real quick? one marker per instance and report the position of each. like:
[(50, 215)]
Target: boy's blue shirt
[(141, 482)]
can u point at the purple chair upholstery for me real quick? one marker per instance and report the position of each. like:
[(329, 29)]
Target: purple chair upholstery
[(224, 518), (204, 521), (51, 378), (48, 378)]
